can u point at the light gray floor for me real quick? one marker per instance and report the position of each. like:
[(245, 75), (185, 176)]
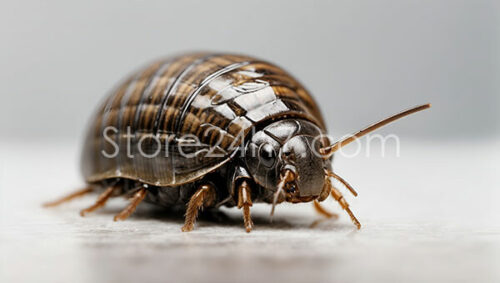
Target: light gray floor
[(430, 215)]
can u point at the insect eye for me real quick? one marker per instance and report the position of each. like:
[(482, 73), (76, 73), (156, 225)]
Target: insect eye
[(287, 155), (267, 155), (291, 189)]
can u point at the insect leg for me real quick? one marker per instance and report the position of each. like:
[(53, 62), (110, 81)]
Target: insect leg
[(134, 202), (344, 182), (69, 197), (343, 203), (245, 202), (321, 210), (325, 193), (101, 200), (204, 196)]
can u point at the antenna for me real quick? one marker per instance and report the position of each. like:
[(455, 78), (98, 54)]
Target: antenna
[(328, 151)]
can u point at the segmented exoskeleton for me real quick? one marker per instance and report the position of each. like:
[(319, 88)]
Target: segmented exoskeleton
[(207, 129)]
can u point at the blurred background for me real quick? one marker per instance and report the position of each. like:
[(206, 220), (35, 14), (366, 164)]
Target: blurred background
[(361, 60), (432, 211)]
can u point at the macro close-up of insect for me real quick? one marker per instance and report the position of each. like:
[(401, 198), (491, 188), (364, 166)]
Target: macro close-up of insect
[(249, 141), (204, 130)]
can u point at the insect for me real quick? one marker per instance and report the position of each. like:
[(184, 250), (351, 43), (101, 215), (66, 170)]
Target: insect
[(202, 130)]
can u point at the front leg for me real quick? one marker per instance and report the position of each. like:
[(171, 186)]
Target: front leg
[(245, 202), (204, 196)]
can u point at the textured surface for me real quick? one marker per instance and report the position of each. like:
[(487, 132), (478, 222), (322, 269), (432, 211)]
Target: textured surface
[(416, 226)]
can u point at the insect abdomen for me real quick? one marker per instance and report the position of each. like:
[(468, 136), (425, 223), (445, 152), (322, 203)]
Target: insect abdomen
[(214, 97)]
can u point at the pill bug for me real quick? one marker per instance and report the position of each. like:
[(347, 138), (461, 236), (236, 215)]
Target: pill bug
[(202, 130)]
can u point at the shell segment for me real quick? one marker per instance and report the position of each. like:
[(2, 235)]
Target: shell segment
[(180, 118)]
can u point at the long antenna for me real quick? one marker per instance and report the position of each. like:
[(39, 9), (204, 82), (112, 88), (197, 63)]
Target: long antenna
[(328, 151)]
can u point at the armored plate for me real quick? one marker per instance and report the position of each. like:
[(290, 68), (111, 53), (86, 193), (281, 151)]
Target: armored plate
[(180, 118)]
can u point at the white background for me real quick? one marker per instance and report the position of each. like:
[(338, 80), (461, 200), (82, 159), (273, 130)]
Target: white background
[(362, 60)]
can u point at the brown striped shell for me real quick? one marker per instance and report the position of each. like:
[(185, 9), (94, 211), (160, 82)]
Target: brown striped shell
[(214, 97)]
